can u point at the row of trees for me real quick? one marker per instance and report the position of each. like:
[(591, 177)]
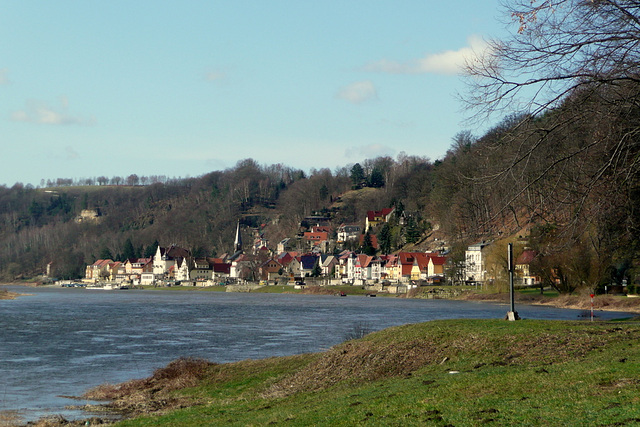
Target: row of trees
[(132, 179)]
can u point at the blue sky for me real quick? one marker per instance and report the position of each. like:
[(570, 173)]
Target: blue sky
[(91, 88)]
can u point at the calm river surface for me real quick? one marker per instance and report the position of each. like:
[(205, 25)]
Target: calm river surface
[(63, 341)]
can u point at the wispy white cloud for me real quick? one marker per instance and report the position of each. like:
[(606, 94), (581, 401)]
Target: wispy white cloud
[(398, 123), (4, 78), (42, 113), (213, 76), (447, 62), (216, 164), (358, 92), (70, 153), (369, 151)]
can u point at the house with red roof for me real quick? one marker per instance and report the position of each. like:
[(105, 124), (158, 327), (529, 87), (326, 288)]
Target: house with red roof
[(114, 269), (316, 238), (364, 267), (419, 265), (221, 270), (342, 265), (378, 217), (523, 267), (321, 229), (436, 265), (414, 266), (99, 269), (285, 259), (361, 265)]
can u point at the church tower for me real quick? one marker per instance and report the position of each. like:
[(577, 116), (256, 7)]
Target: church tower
[(237, 245)]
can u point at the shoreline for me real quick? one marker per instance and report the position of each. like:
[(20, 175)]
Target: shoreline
[(7, 295), (575, 301)]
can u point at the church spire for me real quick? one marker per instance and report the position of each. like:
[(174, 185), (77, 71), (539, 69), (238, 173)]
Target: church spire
[(238, 242)]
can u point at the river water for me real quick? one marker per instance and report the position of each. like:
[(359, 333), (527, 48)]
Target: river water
[(63, 341)]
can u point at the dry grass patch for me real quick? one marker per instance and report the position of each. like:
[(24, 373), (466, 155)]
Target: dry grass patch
[(318, 290), (357, 361), (372, 359), (9, 418), (154, 393), (5, 294)]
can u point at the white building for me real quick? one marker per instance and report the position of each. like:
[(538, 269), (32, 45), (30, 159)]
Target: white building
[(165, 258), (348, 233), (475, 257)]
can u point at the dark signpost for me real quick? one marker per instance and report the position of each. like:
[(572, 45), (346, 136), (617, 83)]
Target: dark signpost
[(512, 314)]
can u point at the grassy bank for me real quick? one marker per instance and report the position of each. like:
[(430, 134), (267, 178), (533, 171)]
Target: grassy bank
[(185, 288), (460, 372), (581, 301), (525, 296)]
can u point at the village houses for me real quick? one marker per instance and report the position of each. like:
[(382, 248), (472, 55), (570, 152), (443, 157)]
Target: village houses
[(176, 265)]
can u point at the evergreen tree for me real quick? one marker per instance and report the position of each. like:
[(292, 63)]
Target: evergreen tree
[(324, 192), (36, 210), (317, 270), (367, 245), (399, 208), (357, 175), (376, 180), (413, 231), (128, 251), (151, 249), (105, 253), (384, 238)]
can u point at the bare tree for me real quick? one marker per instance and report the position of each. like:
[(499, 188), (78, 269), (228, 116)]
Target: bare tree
[(559, 46), (133, 179), (571, 68)]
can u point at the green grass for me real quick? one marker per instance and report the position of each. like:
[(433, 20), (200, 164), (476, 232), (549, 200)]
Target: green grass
[(276, 289), (348, 289), (460, 372), (536, 291), (187, 288)]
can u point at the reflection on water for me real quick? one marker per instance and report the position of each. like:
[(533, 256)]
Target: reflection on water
[(64, 341)]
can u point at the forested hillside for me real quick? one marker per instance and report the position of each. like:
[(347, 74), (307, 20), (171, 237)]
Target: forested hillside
[(42, 225)]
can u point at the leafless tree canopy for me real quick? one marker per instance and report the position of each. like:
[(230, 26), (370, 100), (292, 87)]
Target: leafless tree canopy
[(570, 71), (567, 76), (557, 47)]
